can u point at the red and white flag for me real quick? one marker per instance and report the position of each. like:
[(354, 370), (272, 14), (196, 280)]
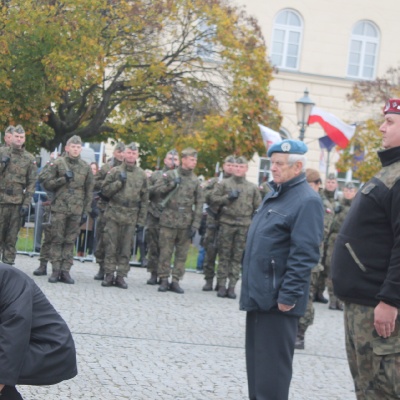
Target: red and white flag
[(269, 136), (340, 132)]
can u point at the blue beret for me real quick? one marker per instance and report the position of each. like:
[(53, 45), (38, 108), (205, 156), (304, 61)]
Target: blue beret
[(288, 146)]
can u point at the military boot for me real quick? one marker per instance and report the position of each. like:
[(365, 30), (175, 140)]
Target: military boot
[(41, 270), (163, 285), (299, 344), (153, 279), (65, 277), (319, 298), (208, 285), (55, 276), (174, 287), (120, 282), (100, 275), (108, 280), (221, 289), (231, 293)]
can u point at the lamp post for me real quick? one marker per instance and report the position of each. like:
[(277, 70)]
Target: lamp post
[(303, 109)]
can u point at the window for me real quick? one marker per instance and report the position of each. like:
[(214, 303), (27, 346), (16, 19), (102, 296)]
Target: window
[(286, 39), (264, 174), (363, 51)]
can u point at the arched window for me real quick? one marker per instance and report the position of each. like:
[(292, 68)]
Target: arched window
[(286, 39), (363, 51)]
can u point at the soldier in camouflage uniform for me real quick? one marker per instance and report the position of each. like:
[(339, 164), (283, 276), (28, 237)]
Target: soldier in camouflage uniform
[(212, 227), (329, 193), (126, 188), (171, 161), (182, 207), (71, 180), (8, 135), (238, 199), (314, 180), (341, 210), (17, 185), (116, 160)]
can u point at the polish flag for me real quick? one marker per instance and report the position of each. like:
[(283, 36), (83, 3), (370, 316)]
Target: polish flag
[(335, 128), (269, 136)]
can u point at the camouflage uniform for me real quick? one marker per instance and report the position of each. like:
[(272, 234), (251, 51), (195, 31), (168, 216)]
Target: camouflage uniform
[(179, 219), (72, 198), (264, 189), (153, 223), (126, 208), (99, 179), (17, 185), (235, 218), (340, 214)]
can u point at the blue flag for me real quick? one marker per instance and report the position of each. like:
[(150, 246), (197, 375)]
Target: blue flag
[(326, 143)]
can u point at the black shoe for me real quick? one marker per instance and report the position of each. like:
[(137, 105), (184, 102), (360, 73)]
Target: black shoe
[(174, 287), (108, 280), (153, 279), (100, 275), (65, 277), (41, 271), (319, 298), (55, 276), (208, 286), (120, 282), (163, 285)]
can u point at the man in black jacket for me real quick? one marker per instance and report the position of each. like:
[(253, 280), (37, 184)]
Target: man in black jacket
[(366, 272), (36, 346), (282, 248)]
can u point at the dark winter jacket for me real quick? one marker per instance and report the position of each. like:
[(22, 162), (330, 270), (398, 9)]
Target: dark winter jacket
[(366, 257), (36, 346), (282, 247)]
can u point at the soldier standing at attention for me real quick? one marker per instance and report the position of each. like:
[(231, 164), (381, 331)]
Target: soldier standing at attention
[(238, 199), (171, 161), (126, 188), (116, 160), (179, 220), (18, 172), (212, 227), (8, 135), (71, 180)]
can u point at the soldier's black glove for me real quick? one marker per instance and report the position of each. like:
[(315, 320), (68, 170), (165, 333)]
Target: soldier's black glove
[(122, 176), (5, 160), (69, 175), (338, 209), (177, 180), (94, 213), (83, 219), (233, 195), (139, 229), (191, 232), (23, 211)]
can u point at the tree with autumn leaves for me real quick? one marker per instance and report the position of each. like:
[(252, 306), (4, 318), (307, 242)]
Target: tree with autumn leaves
[(360, 155), (163, 73)]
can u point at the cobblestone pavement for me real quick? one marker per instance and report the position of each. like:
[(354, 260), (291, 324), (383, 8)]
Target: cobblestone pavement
[(140, 344)]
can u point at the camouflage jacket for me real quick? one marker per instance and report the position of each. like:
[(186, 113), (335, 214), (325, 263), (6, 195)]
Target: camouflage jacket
[(328, 212), (73, 197), (18, 178), (185, 207), (240, 211), (128, 200), (99, 180), (340, 214), (155, 196), (264, 188)]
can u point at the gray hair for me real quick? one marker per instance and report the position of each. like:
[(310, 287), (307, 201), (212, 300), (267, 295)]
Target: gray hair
[(293, 158)]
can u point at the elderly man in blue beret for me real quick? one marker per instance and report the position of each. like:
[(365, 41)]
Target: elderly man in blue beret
[(282, 247)]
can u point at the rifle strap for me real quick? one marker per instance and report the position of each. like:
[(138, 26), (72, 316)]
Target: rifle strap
[(164, 202)]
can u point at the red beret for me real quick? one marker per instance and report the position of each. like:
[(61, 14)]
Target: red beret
[(392, 106)]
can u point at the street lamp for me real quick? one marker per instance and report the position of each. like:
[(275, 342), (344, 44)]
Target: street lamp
[(303, 109)]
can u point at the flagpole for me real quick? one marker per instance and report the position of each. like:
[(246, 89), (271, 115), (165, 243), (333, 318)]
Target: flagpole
[(327, 163)]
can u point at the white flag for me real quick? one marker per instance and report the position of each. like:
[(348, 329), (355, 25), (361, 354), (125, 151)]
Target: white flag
[(269, 136)]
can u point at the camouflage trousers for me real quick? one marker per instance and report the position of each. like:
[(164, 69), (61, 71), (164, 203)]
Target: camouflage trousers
[(170, 239), (308, 318), (231, 244), (374, 361), (99, 253), (10, 224), (210, 244), (152, 236), (118, 243), (45, 248), (64, 231)]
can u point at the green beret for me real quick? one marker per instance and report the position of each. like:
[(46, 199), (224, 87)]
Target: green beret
[(288, 146), (189, 152), (74, 140), (19, 129)]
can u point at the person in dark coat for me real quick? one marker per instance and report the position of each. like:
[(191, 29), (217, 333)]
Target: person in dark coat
[(36, 345), (282, 248)]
